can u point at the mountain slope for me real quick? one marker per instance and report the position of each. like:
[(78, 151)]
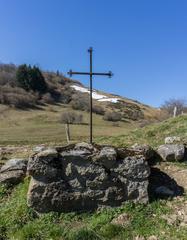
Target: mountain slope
[(64, 90), (130, 109)]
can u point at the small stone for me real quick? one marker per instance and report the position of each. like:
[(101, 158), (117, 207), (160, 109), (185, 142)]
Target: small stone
[(171, 140), (152, 238), (170, 219), (13, 172), (144, 150), (139, 238), (122, 220), (48, 154), (44, 164), (84, 145), (107, 157), (38, 149), (171, 152), (14, 164)]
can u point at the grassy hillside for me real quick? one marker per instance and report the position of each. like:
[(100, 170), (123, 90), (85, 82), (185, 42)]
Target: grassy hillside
[(16, 91), (153, 134), (37, 126)]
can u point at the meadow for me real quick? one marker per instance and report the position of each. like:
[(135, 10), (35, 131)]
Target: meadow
[(42, 125)]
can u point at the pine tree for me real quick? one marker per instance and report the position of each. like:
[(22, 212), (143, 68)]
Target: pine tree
[(22, 77), (30, 78)]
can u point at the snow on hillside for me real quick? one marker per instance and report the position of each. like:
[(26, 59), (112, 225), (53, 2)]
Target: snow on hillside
[(95, 95)]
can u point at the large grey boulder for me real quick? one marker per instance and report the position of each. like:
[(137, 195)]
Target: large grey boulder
[(13, 172), (171, 152), (85, 177)]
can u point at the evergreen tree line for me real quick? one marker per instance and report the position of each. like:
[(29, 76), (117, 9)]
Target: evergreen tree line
[(30, 78)]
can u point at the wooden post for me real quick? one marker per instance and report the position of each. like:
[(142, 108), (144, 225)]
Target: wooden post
[(67, 132), (175, 111)]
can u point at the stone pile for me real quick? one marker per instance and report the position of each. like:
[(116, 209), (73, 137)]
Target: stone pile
[(85, 177)]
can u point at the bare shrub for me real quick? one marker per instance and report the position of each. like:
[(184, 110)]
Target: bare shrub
[(171, 104), (50, 108), (16, 97), (68, 92), (115, 124), (129, 110), (80, 102), (7, 74), (71, 118), (112, 116), (98, 109), (47, 98), (162, 115)]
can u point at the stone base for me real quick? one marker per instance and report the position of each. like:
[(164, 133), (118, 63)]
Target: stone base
[(85, 177)]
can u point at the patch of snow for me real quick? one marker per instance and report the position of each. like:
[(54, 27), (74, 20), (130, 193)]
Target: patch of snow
[(80, 89), (114, 100), (95, 95)]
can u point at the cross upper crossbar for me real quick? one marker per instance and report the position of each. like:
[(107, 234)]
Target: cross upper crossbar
[(71, 73)]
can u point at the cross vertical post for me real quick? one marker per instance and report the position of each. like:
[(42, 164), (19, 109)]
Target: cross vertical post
[(90, 50), (91, 74)]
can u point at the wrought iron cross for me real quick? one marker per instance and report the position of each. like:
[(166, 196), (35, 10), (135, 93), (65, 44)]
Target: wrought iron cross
[(91, 74)]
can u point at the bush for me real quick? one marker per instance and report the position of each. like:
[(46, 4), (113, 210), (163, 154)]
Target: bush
[(171, 104), (30, 78), (71, 118), (80, 102), (66, 97), (98, 109), (112, 116), (47, 98), (7, 74), (17, 97)]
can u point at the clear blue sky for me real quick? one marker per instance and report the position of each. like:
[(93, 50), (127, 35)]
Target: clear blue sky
[(144, 42)]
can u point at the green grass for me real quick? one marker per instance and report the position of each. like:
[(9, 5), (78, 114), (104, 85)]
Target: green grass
[(17, 221), (153, 135)]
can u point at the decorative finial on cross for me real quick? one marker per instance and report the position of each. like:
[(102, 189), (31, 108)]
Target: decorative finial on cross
[(91, 74)]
